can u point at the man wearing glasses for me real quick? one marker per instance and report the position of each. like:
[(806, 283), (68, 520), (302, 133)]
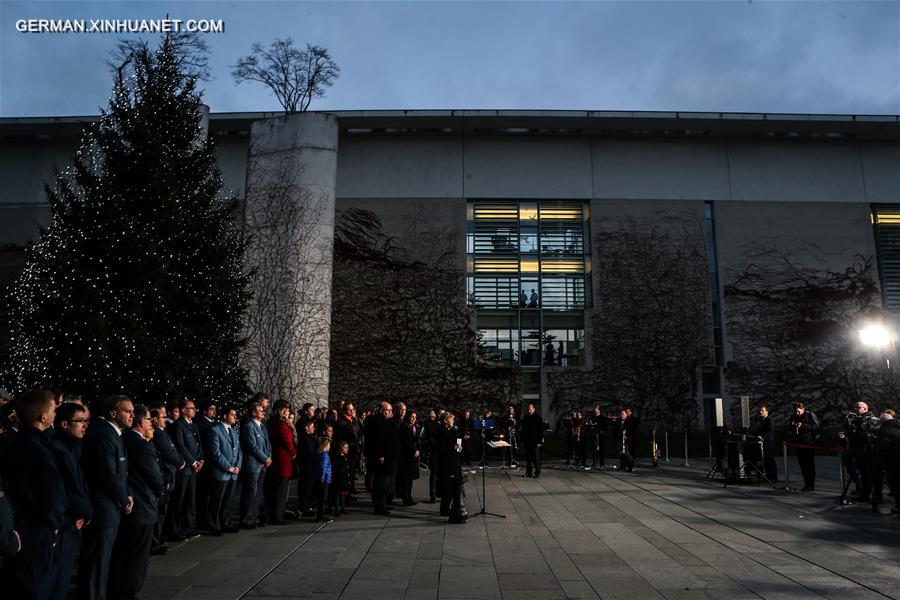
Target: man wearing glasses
[(170, 463), (132, 550), (106, 471), (186, 437), (69, 427)]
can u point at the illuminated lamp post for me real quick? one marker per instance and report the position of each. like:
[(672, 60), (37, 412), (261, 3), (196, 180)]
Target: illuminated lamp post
[(878, 337)]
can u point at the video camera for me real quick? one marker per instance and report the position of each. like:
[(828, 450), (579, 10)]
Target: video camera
[(858, 426)]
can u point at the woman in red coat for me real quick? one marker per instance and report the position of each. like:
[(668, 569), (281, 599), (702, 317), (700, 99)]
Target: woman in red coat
[(278, 477)]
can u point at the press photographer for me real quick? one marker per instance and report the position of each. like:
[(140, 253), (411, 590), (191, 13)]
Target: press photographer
[(860, 429)]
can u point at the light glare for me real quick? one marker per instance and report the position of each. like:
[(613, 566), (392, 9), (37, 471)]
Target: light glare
[(876, 336)]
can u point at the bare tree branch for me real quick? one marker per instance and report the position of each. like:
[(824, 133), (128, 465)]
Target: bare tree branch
[(288, 323), (651, 325), (401, 329), (792, 323), (296, 77)]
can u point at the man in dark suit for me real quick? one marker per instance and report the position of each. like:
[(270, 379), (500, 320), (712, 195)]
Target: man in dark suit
[(382, 450), (170, 462), (349, 430), (599, 425), (307, 447), (10, 542), (70, 426), (37, 496), (623, 433), (106, 469), (223, 448), (532, 439), (766, 434), (397, 485), (633, 426), (186, 437), (803, 429), (204, 423), (132, 550), (430, 429), (257, 453)]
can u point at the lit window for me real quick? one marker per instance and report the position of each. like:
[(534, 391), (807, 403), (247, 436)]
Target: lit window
[(886, 217), (562, 266), (529, 265), (528, 211)]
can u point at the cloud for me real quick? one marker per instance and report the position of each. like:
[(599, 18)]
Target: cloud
[(831, 57)]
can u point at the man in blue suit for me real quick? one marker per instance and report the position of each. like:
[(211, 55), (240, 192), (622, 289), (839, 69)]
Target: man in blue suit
[(223, 448), (257, 450), (170, 462), (106, 469), (182, 507), (37, 496), (70, 426), (145, 482)]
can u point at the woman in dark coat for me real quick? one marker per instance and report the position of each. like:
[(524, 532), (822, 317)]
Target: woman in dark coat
[(449, 459), (408, 464), (278, 477)]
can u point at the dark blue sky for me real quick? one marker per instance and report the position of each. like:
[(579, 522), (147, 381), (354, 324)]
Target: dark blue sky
[(803, 57)]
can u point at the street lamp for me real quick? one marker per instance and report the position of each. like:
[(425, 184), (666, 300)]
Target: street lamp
[(879, 337)]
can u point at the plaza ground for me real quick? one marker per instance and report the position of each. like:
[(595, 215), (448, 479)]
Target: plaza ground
[(664, 533)]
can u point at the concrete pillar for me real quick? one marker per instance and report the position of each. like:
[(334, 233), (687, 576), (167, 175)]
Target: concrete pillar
[(204, 121), (289, 217)]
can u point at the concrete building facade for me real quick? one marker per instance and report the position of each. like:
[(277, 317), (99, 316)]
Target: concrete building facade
[(832, 181)]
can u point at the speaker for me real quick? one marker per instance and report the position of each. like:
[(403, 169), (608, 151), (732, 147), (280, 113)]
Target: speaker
[(718, 413), (745, 412)]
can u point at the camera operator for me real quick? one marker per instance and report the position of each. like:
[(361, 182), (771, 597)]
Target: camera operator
[(860, 428), (887, 444), (803, 429)]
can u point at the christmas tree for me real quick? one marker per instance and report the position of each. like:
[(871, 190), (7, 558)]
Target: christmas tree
[(137, 285)]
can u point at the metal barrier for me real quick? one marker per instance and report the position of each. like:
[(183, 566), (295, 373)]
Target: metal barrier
[(787, 471), (839, 452), (684, 435)]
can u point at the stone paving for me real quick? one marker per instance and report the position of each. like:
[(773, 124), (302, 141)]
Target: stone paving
[(664, 533)]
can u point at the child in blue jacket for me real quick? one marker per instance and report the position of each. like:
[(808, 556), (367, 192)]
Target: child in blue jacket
[(323, 479)]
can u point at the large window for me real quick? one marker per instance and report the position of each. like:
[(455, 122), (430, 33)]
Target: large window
[(528, 255), (886, 219), (528, 279), (531, 339)]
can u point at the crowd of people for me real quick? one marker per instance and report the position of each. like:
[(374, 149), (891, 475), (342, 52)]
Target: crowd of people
[(869, 446), (108, 485), (590, 430)]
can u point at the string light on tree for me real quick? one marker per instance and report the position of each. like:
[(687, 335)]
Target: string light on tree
[(136, 285)]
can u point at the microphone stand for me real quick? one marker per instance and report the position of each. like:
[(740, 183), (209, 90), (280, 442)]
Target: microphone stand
[(483, 500)]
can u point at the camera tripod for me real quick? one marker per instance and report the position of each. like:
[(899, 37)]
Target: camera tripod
[(873, 496), (755, 467)]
